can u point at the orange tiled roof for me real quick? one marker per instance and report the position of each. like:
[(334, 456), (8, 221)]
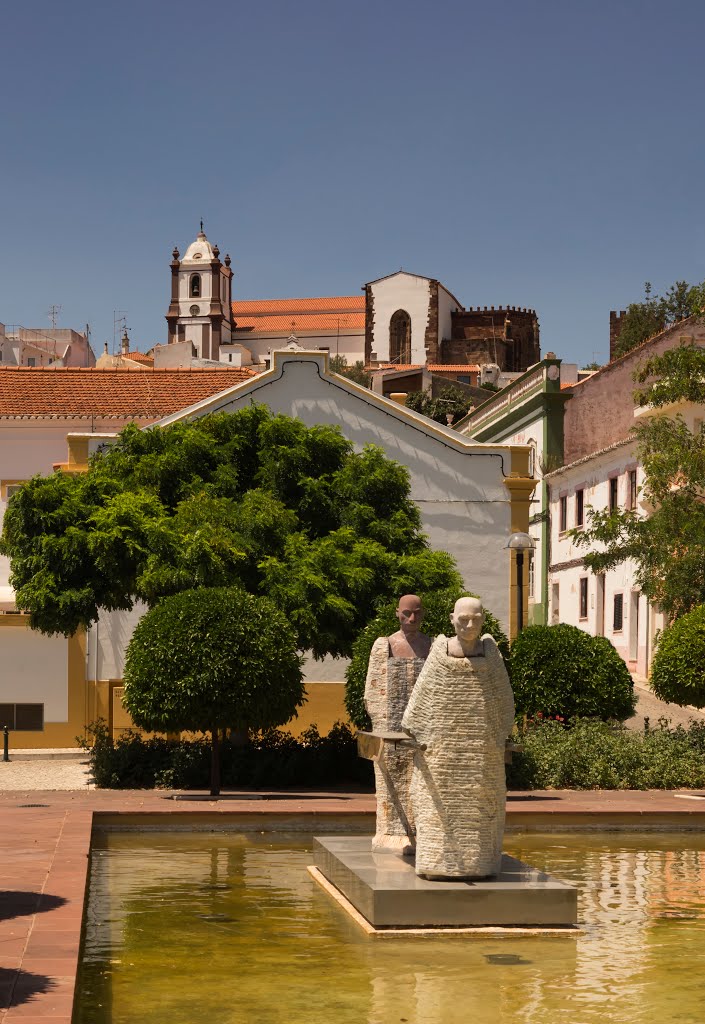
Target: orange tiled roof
[(69, 392), (299, 322), (453, 368), (395, 366), (141, 357), (272, 307), (431, 367)]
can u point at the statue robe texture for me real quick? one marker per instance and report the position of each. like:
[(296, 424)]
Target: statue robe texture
[(387, 690), (462, 710)]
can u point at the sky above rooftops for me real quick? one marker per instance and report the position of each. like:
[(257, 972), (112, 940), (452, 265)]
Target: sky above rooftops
[(547, 155)]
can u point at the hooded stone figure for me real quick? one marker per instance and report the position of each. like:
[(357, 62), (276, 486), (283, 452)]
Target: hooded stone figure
[(395, 662), (460, 713)]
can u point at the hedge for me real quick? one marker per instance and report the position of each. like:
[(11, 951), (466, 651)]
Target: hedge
[(270, 760), (678, 669), (561, 670), (596, 755)]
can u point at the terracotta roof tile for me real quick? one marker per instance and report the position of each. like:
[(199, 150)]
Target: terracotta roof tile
[(68, 392), (299, 322), (272, 307), (431, 367), (141, 357), (396, 366), (453, 368)]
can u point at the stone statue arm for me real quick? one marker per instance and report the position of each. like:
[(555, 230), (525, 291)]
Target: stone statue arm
[(376, 681), (502, 686)]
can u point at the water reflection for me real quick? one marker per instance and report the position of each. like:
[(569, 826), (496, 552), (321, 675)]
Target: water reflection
[(231, 928)]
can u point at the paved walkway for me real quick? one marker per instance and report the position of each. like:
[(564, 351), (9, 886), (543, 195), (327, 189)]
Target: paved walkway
[(649, 706)]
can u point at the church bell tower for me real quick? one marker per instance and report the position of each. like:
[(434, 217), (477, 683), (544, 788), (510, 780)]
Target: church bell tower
[(200, 311)]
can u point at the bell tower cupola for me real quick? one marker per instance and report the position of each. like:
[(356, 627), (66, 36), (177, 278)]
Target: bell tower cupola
[(200, 311)]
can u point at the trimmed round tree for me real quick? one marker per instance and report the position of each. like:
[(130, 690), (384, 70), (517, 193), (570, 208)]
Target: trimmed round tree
[(210, 659), (561, 670), (678, 670), (437, 607)]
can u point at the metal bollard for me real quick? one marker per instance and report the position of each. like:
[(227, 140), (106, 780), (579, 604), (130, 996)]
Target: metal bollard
[(5, 743)]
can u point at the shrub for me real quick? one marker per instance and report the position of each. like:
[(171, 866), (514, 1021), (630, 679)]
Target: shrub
[(561, 670), (270, 760), (211, 659), (590, 754), (437, 607), (678, 670)]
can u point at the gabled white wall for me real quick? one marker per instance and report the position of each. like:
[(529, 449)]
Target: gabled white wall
[(458, 485)]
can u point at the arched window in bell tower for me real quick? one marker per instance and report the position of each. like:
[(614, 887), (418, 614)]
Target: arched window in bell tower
[(400, 337), (195, 286)]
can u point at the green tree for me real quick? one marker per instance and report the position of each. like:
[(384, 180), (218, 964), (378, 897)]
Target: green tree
[(211, 659), (453, 401), (657, 312), (356, 372), (678, 671), (668, 543), (248, 499)]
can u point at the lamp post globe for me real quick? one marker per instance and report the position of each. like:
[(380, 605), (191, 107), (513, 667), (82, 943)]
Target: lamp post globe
[(519, 543)]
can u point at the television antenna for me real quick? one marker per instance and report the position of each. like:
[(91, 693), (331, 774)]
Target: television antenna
[(53, 315), (119, 326)]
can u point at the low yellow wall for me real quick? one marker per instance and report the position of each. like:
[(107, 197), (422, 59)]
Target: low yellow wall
[(325, 706)]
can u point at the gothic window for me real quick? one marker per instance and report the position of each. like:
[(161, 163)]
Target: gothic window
[(400, 337), (195, 291)]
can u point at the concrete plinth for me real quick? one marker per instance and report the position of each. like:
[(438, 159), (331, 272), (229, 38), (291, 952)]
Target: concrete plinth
[(386, 890)]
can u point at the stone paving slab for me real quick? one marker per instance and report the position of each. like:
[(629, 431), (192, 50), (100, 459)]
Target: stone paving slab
[(46, 843)]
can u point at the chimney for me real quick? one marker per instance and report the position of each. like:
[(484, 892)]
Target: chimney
[(125, 346)]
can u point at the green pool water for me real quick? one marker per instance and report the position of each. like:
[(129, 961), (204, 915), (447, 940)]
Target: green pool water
[(221, 928)]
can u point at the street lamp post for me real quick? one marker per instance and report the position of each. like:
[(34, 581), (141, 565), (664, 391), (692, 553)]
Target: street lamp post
[(519, 543)]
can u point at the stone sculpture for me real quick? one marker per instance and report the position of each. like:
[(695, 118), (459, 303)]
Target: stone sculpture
[(460, 713), (395, 662)]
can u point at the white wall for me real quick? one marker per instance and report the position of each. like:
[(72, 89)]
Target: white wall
[(350, 344), (401, 291), (446, 306), (108, 640), (34, 671)]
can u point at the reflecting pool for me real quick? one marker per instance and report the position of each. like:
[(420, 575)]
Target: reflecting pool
[(230, 928)]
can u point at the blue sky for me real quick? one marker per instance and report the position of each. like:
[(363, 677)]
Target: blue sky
[(544, 154)]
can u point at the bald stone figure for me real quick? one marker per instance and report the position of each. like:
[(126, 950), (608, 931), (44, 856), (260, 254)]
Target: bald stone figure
[(460, 713), (395, 662)]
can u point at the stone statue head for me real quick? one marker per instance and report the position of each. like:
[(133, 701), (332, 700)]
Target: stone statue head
[(468, 618), (410, 613)]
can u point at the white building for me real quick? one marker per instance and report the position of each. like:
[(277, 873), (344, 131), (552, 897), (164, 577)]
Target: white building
[(608, 604), (335, 324), (43, 682), (58, 346), (471, 498)]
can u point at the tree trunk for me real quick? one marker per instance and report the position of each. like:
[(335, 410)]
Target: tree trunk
[(215, 762)]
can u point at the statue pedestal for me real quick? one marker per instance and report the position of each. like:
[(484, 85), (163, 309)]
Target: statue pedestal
[(385, 889)]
